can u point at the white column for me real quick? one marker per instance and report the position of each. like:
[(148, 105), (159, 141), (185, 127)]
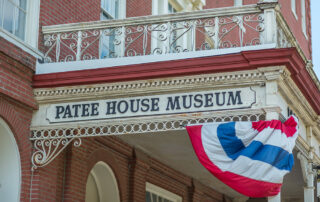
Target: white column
[(270, 29), (318, 189), (276, 198), (309, 189), (271, 100), (308, 177)]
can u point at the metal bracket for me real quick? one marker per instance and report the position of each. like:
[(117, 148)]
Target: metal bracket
[(47, 149), (50, 141)]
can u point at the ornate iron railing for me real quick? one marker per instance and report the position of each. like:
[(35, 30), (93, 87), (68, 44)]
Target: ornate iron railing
[(49, 142), (151, 35)]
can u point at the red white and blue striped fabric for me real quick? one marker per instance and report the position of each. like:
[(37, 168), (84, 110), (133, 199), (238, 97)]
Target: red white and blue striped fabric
[(250, 157)]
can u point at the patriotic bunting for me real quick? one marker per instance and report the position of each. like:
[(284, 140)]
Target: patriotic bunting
[(250, 157)]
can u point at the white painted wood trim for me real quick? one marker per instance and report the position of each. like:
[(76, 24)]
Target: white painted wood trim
[(238, 3), (162, 192), (46, 68), (32, 23), (294, 9), (20, 44), (303, 18)]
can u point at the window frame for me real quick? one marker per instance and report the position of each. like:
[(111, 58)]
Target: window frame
[(238, 3), (30, 42), (121, 11), (16, 8), (162, 192), (31, 23), (294, 8), (304, 18)]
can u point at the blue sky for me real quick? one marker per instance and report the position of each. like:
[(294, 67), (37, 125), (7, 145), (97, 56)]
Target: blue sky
[(315, 26)]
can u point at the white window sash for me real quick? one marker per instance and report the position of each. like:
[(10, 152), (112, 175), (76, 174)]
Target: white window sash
[(294, 9), (238, 2), (303, 18), (162, 192)]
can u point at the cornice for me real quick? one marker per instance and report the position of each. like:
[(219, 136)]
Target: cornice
[(244, 61), (295, 98), (152, 86)]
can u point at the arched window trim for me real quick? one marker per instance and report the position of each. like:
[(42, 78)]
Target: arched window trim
[(4, 124), (99, 181)]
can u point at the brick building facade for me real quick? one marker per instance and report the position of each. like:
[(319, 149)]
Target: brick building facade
[(68, 56)]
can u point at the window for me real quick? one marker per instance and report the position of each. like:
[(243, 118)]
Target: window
[(171, 9), (102, 184), (303, 17), (13, 17), (19, 24), (158, 194), (173, 34), (293, 8), (10, 175), (237, 2), (109, 11)]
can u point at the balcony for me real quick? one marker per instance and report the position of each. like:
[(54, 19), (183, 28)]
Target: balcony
[(164, 37)]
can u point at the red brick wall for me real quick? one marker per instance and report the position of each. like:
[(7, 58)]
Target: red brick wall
[(68, 11), (139, 8), (18, 118), (17, 102), (16, 71), (296, 24), (131, 167), (218, 4)]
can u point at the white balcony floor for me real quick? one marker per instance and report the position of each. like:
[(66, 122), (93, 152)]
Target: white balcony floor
[(47, 68)]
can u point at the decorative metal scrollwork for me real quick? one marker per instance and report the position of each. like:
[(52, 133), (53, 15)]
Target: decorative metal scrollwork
[(48, 149), (169, 36), (49, 143)]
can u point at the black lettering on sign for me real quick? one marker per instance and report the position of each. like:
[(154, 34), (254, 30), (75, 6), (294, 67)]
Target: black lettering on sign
[(235, 98), (145, 105), (59, 111), (155, 104), (111, 107), (94, 109), (208, 100), (187, 104), (76, 109), (85, 110), (123, 106), (172, 105), (67, 112), (198, 101), (134, 105), (218, 98)]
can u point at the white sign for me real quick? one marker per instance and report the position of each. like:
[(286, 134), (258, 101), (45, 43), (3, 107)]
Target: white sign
[(152, 105)]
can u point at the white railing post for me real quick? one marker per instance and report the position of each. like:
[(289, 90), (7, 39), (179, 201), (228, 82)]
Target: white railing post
[(166, 48), (58, 47), (79, 42), (137, 31), (216, 33), (193, 35), (123, 42), (270, 26)]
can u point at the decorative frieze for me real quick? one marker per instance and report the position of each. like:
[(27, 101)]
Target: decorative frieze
[(240, 78)]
